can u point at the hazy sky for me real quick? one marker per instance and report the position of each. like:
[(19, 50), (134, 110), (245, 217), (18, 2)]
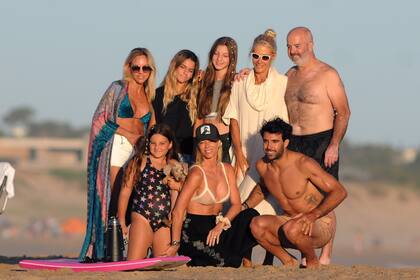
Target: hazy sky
[(60, 56)]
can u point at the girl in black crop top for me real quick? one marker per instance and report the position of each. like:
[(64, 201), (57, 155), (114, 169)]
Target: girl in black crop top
[(175, 101)]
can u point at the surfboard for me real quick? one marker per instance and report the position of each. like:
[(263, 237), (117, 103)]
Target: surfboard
[(73, 264)]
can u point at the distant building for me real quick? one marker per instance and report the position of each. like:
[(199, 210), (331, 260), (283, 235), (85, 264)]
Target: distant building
[(409, 155), (19, 131), (44, 152)]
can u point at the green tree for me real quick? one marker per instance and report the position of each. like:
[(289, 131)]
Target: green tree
[(19, 115)]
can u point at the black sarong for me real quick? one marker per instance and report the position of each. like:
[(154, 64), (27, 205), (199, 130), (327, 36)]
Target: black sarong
[(233, 245)]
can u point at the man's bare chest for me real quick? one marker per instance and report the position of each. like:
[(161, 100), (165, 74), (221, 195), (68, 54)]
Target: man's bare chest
[(309, 90), (285, 184)]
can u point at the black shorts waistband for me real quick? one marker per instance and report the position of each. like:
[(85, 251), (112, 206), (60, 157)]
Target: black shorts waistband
[(322, 134)]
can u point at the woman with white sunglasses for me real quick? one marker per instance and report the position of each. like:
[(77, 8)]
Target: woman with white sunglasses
[(257, 98)]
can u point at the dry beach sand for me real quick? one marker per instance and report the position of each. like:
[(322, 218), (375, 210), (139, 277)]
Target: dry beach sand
[(8, 272), (378, 237)]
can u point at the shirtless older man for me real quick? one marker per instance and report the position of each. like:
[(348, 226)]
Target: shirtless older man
[(316, 102), (306, 193), (317, 106)]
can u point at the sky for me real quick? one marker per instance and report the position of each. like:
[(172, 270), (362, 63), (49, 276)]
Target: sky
[(59, 57)]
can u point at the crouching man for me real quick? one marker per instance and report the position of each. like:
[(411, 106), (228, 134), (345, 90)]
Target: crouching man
[(305, 192)]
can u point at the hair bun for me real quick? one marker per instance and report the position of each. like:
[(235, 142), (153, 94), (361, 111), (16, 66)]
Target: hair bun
[(270, 33)]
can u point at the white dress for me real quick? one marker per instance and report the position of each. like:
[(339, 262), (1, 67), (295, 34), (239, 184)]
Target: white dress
[(251, 105)]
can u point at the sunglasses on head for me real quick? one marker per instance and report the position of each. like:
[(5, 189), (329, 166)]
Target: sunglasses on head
[(264, 57), (144, 68)]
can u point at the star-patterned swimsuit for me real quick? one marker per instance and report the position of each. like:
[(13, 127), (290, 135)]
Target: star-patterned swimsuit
[(152, 199)]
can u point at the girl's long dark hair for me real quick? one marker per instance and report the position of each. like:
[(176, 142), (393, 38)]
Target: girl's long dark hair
[(141, 149), (206, 93)]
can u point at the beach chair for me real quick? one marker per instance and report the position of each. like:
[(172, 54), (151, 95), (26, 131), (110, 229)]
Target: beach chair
[(3, 195), (7, 173)]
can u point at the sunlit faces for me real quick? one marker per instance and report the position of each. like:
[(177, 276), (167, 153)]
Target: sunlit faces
[(274, 145), (220, 58), (185, 71), (262, 65), (142, 74), (209, 149), (159, 146), (298, 48)]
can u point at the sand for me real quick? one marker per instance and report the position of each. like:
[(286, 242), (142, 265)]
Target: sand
[(377, 237), (13, 271)]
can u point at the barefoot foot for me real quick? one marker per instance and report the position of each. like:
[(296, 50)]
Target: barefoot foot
[(246, 263)]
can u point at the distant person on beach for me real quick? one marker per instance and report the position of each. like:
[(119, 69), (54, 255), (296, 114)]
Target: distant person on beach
[(122, 116), (318, 108), (175, 103), (306, 193), (152, 201), (216, 87), (206, 236)]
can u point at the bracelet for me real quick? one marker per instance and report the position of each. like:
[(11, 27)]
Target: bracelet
[(223, 220), (245, 205), (175, 243)]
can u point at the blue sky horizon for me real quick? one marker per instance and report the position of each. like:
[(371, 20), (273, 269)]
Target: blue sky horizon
[(59, 57)]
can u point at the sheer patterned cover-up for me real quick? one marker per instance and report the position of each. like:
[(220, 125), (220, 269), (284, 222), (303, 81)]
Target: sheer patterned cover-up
[(104, 126)]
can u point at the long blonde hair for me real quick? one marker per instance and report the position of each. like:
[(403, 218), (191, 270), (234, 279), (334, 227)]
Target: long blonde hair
[(150, 84), (191, 91)]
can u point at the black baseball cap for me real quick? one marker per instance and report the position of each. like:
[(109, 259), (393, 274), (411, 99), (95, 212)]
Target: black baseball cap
[(207, 132)]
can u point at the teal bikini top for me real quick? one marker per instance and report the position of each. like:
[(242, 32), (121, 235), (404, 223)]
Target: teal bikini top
[(126, 111), (145, 120)]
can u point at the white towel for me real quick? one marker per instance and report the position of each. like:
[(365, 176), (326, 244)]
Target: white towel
[(7, 170)]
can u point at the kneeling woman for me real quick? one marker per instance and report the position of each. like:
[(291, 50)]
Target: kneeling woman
[(151, 197), (206, 236)]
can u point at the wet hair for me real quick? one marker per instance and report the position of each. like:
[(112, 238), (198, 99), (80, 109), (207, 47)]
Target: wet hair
[(150, 84), (141, 149), (191, 91), (277, 125), (206, 92), (267, 39)]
